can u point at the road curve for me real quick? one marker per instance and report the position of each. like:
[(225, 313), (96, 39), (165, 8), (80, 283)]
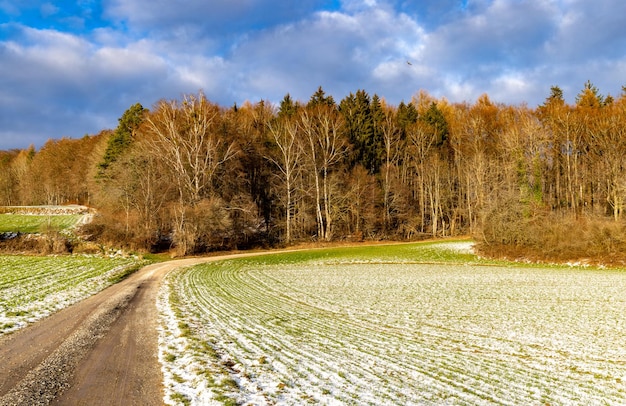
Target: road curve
[(102, 350)]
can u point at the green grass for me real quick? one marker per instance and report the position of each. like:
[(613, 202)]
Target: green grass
[(32, 287), (28, 224), (348, 325), (179, 398), (425, 252)]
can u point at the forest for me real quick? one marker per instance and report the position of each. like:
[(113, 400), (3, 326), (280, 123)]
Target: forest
[(193, 176)]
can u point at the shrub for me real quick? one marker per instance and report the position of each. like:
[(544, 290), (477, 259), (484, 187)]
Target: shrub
[(515, 230)]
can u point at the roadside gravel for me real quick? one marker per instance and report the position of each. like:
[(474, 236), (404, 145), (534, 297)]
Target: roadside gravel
[(42, 384), (102, 350)]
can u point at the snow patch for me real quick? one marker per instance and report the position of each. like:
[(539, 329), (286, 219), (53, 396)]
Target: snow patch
[(393, 333)]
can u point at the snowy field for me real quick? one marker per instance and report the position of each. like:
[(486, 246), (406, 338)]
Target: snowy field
[(34, 287), (420, 324)]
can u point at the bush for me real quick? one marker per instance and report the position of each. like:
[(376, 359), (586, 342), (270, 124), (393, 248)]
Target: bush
[(517, 230), (50, 243), (111, 230)]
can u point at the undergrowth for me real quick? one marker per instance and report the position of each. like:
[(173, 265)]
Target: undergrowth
[(547, 237)]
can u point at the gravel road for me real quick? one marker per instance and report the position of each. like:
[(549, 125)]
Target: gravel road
[(101, 351)]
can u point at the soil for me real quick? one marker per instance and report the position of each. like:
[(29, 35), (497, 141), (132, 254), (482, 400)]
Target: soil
[(102, 350)]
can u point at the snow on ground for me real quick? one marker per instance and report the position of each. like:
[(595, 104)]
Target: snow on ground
[(461, 247), (32, 288), (181, 372), (50, 210), (392, 333)]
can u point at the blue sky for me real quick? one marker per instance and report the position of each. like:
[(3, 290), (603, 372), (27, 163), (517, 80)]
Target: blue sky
[(73, 68)]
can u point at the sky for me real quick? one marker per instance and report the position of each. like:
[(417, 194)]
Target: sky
[(71, 68)]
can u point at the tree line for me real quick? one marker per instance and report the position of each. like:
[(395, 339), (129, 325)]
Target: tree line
[(197, 176)]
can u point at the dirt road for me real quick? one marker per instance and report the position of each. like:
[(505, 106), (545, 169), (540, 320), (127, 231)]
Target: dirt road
[(101, 351)]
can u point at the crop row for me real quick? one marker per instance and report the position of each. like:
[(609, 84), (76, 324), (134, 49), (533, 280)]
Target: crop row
[(380, 326), (33, 287)]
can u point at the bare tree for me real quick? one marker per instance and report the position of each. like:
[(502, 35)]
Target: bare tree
[(186, 136), (325, 147), (284, 133), (609, 136), (392, 148)]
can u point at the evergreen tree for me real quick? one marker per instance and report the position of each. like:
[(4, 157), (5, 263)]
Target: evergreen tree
[(319, 98), (590, 97), (121, 139), (553, 103), (287, 107), (378, 143), (378, 114), (359, 127), (405, 116), (556, 96), (437, 123)]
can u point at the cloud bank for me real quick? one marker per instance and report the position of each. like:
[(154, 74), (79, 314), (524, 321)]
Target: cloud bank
[(74, 71)]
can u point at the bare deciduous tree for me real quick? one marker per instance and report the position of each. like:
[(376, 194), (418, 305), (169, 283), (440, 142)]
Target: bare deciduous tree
[(284, 133), (187, 137), (325, 147)]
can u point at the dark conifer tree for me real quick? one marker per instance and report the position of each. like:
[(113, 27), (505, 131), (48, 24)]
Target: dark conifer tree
[(319, 98), (405, 116), (377, 147), (361, 130), (287, 107), (121, 139), (590, 97), (435, 119)]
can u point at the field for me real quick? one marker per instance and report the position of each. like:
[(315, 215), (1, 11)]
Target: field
[(35, 223), (33, 287), (405, 324), (40, 219)]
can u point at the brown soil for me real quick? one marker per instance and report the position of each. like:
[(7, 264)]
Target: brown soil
[(102, 350)]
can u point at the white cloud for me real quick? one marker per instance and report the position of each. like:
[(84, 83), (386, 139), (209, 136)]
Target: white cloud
[(457, 89), (508, 33), (588, 30), (48, 9), (512, 87), (58, 84), (63, 85), (340, 51)]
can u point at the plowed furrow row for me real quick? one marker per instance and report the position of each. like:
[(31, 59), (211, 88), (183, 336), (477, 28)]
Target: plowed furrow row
[(289, 341)]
